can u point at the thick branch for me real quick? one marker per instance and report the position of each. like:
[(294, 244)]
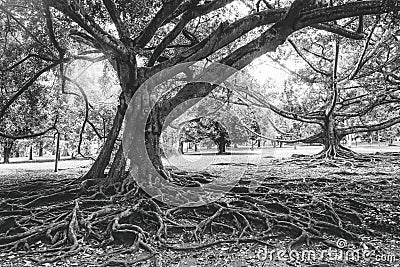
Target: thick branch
[(185, 19), (370, 128), (336, 29), (87, 22), (116, 19), (148, 33)]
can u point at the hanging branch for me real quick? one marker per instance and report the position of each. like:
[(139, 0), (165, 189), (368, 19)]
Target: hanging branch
[(322, 72), (28, 136), (361, 61), (25, 59), (53, 39), (331, 107), (26, 86), (86, 118), (33, 36)]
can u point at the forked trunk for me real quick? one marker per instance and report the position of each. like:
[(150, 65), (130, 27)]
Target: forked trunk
[(99, 166)]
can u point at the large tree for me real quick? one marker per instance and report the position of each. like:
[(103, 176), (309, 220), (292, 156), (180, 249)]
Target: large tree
[(125, 41), (340, 90), (140, 40)]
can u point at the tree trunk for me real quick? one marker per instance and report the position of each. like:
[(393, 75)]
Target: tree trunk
[(31, 152), (101, 162), (153, 149), (117, 169), (181, 147), (57, 152), (331, 141), (221, 144), (7, 150), (41, 149)]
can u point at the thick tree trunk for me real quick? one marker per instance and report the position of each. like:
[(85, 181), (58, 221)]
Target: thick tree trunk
[(7, 150), (117, 170), (331, 141), (153, 149)]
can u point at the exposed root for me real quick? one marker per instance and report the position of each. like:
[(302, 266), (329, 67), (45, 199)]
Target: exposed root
[(309, 210)]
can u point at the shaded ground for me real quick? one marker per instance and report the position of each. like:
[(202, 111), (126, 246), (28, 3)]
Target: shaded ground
[(361, 198)]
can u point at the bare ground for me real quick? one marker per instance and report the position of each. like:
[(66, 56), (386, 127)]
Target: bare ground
[(308, 206)]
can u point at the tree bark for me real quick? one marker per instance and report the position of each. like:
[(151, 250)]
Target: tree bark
[(41, 149), (117, 170), (331, 141), (103, 159), (153, 149), (181, 147), (31, 152), (221, 144), (7, 150)]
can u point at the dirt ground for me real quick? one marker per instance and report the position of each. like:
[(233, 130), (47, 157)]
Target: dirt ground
[(374, 184)]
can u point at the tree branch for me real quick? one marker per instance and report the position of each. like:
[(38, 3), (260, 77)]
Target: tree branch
[(147, 34), (116, 19), (26, 85), (322, 72), (28, 136), (372, 127), (335, 96), (361, 61), (25, 59), (86, 22), (336, 29), (185, 19)]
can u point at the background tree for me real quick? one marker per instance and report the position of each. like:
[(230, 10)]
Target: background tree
[(356, 98)]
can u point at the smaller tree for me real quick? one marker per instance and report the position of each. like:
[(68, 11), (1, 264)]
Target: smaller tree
[(202, 128)]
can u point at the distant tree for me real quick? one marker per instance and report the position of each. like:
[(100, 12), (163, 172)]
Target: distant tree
[(202, 128), (340, 90)]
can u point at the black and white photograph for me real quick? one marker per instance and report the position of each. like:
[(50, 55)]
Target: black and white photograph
[(200, 133)]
